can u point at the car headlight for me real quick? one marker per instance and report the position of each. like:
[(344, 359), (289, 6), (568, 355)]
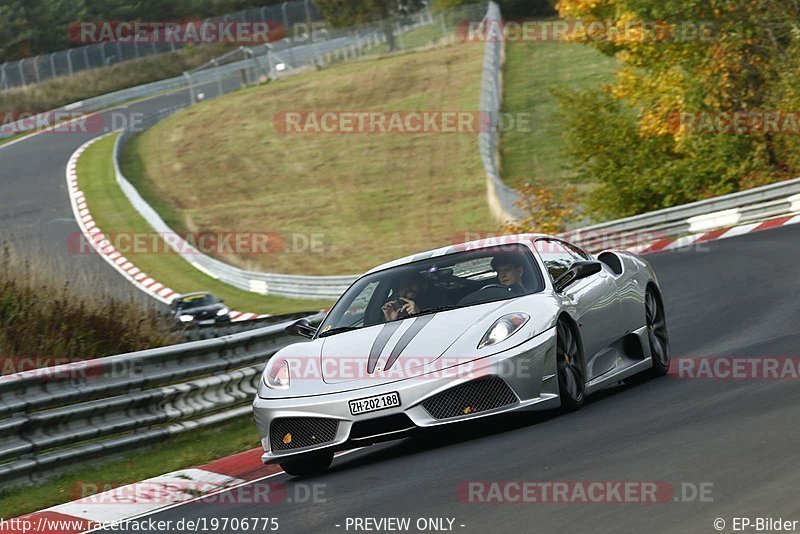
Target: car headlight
[(223, 311), (503, 328), (277, 375), (185, 318)]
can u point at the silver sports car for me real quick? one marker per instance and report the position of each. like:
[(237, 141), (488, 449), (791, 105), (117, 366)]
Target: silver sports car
[(525, 322)]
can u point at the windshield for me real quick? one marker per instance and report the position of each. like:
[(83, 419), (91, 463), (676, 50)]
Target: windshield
[(195, 301), (436, 284)]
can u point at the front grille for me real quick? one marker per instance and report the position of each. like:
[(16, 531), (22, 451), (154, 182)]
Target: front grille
[(288, 433), (381, 425), (471, 397)]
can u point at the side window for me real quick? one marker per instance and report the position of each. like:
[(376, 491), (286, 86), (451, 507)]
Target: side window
[(556, 257), (580, 253)]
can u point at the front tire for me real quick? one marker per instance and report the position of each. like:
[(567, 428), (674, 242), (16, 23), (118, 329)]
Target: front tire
[(308, 465), (571, 377)]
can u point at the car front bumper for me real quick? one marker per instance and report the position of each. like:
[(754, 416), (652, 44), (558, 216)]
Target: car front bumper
[(529, 369)]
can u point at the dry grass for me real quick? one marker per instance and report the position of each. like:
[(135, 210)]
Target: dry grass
[(222, 166), (46, 319)]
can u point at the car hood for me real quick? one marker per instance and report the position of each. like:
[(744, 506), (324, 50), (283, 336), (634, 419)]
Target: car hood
[(407, 348), (444, 340)]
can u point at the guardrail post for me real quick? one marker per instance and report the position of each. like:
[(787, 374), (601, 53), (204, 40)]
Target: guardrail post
[(191, 87)]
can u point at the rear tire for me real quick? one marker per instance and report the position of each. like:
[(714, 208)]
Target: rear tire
[(308, 465), (569, 364)]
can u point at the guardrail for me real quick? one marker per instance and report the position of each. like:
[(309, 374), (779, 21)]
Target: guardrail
[(502, 199), (308, 287), (774, 200), (51, 418)]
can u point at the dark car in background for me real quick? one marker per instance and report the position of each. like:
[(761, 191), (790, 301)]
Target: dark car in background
[(199, 309)]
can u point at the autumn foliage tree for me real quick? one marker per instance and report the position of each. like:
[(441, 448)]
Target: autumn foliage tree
[(683, 63)]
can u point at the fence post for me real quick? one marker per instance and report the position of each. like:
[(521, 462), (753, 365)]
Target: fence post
[(3, 79), (22, 72), (219, 76), (36, 69), (86, 57), (444, 26), (69, 62), (191, 87), (400, 40)]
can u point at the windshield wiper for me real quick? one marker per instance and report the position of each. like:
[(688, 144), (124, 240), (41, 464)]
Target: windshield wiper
[(338, 330)]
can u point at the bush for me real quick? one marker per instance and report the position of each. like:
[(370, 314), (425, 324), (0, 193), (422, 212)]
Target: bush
[(59, 92)]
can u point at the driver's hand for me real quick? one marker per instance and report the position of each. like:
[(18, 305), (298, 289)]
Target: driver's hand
[(410, 307), (390, 313)]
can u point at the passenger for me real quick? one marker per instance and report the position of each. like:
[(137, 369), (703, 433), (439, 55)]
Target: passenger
[(509, 271)]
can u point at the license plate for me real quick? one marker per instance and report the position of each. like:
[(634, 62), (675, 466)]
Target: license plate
[(206, 322), (374, 404)]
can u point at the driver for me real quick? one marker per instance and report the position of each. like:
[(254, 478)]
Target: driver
[(509, 272), (409, 298)]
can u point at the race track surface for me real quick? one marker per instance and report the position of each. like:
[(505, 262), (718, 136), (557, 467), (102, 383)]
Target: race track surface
[(737, 438), (35, 212)]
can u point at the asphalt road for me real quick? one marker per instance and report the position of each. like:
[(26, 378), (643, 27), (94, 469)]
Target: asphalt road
[(35, 212), (737, 440)]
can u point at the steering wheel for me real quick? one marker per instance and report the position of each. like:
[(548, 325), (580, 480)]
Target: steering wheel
[(493, 286)]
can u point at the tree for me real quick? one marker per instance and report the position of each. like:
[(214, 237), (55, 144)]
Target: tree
[(714, 59), (341, 13)]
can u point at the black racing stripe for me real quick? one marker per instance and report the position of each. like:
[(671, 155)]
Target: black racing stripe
[(380, 344), (415, 328)]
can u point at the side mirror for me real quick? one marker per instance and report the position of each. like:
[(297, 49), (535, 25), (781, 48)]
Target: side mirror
[(301, 328), (578, 271)]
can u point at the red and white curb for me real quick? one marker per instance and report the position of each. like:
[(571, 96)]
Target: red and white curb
[(94, 235), (141, 498), (674, 243), (126, 503)]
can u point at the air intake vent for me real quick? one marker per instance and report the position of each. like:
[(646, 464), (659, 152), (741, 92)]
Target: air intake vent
[(287, 433), (472, 397)]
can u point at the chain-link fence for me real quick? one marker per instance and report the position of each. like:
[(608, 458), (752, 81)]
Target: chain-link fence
[(323, 46), (502, 199), (291, 14)]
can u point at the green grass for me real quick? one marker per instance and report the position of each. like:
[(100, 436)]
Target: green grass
[(114, 214), (222, 165), (533, 70), (178, 452)]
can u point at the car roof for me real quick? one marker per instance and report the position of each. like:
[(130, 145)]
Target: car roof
[(195, 294), (487, 242)]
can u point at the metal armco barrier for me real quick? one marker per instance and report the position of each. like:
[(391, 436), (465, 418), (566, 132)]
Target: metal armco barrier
[(774, 200), (51, 418)]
